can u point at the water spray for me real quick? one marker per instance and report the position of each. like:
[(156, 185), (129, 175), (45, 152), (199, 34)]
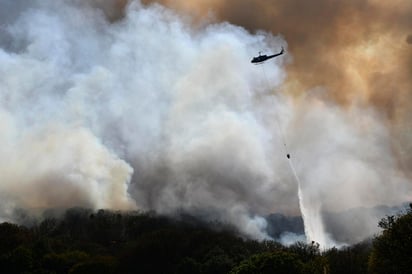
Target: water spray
[(312, 219)]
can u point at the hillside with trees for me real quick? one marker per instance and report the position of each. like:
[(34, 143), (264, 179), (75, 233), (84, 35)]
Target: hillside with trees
[(84, 241)]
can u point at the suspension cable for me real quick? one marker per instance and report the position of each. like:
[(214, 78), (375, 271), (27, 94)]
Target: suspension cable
[(278, 123)]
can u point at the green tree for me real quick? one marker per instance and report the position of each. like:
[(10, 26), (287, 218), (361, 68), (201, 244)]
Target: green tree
[(281, 262), (63, 262), (12, 236), (392, 250), (98, 265), (217, 261), (19, 260), (351, 259), (188, 266)]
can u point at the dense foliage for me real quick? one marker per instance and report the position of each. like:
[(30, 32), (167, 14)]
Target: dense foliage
[(392, 250), (83, 241)]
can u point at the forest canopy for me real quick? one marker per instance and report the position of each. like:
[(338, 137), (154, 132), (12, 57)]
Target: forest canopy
[(86, 241)]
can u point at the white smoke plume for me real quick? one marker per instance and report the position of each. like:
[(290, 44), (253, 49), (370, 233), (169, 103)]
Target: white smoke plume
[(148, 112)]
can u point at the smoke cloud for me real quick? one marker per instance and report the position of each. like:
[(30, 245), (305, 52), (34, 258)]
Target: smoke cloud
[(115, 104), (357, 53)]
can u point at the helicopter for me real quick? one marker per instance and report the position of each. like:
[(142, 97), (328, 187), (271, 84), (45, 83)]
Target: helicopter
[(262, 58)]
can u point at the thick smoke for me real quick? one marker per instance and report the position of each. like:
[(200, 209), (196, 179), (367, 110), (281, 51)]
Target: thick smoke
[(357, 52), (109, 105)]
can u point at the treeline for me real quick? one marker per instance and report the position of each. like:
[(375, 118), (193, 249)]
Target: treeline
[(83, 241)]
